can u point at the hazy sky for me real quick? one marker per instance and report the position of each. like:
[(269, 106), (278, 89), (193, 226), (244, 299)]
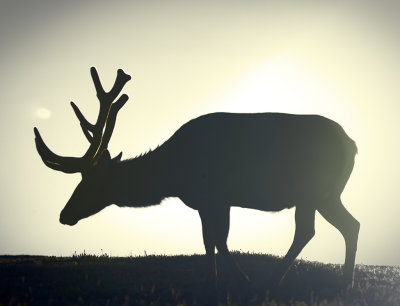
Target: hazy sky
[(335, 58)]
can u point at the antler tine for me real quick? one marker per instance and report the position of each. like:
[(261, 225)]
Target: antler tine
[(106, 101), (85, 125), (120, 81), (54, 161), (112, 116)]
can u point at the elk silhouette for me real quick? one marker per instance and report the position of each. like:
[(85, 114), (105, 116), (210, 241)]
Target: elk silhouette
[(264, 161)]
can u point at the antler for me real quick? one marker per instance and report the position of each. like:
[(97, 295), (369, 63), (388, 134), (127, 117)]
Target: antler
[(94, 133)]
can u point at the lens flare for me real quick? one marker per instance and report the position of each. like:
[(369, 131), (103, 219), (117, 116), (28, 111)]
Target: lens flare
[(43, 113)]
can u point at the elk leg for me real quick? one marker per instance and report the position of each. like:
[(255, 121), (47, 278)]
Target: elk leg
[(209, 244), (305, 230), (221, 236), (337, 215)]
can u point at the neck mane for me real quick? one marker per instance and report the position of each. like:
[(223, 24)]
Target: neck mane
[(142, 181)]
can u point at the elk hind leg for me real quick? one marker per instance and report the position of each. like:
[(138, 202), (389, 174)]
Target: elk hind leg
[(336, 214), (305, 230)]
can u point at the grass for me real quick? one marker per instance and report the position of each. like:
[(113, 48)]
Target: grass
[(180, 280)]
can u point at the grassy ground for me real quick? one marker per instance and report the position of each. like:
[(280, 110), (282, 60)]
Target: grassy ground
[(179, 280)]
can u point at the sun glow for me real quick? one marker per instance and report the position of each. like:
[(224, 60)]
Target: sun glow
[(283, 84), (288, 85)]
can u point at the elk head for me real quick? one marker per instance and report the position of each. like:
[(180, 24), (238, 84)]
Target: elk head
[(90, 196)]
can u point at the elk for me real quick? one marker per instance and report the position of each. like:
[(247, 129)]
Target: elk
[(263, 161)]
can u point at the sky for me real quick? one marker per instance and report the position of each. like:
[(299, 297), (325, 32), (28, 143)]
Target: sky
[(338, 59)]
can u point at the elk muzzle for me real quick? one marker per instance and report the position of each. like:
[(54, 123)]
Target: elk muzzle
[(67, 220)]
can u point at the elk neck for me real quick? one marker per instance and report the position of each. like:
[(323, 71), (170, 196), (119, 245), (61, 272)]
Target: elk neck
[(142, 181)]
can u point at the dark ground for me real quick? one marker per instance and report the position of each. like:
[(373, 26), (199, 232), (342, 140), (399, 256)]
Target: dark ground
[(180, 280)]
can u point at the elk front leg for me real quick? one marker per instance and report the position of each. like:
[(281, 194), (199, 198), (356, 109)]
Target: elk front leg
[(221, 236), (305, 230), (215, 233), (209, 244)]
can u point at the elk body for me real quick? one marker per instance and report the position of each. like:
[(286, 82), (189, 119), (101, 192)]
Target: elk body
[(264, 161)]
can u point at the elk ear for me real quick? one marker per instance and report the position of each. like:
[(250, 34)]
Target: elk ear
[(117, 158)]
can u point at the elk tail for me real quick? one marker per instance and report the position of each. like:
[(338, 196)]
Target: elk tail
[(353, 147)]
